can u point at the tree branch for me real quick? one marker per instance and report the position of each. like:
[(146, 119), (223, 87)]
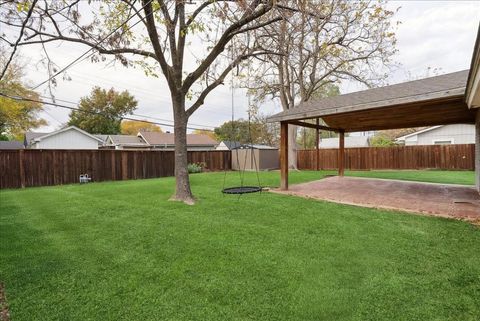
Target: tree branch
[(22, 29), (201, 99), (222, 42), (153, 35)]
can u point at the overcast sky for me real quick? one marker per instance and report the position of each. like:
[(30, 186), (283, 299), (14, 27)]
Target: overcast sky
[(431, 34)]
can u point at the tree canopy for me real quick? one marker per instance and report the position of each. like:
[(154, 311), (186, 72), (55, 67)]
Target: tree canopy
[(209, 133), (101, 112), (17, 116), (319, 46), (132, 127), (243, 131)]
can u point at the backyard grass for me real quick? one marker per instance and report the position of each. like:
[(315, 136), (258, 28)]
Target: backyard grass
[(122, 251), (430, 176)]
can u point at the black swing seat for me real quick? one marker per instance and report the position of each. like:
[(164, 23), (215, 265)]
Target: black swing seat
[(242, 190)]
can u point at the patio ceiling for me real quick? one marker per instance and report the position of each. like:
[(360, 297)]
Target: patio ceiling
[(426, 102)]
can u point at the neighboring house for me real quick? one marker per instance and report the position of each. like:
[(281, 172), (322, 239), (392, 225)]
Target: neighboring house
[(103, 138), (66, 138), (227, 145), (166, 141), (254, 146), (350, 142), (125, 142), (441, 135), (11, 145)]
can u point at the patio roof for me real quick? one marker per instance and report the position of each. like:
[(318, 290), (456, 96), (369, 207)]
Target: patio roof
[(431, 101)]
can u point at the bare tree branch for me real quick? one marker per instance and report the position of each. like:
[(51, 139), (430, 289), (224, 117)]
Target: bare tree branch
[(22, 29)]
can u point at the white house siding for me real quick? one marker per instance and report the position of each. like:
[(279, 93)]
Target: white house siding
[(350, 142), (412, 140), (222, 146), (70, 139), (456, 134)]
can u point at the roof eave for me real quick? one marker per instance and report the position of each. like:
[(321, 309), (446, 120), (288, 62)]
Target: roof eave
[(472, 91), (449, 94)]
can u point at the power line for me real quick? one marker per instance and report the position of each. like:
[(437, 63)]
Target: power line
[(133, 114), (15, 46), (18, 98), (82, 56)]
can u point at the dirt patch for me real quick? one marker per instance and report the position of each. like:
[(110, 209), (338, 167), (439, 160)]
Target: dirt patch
[(4, 314)]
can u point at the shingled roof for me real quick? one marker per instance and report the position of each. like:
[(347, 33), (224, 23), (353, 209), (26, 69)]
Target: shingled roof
[(429, 101), (29, 136), (127, 140), (11, 145), (156, 138)]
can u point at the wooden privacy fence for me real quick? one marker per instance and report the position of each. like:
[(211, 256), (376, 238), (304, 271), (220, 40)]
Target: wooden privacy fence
[(31, 167), (461, 157)]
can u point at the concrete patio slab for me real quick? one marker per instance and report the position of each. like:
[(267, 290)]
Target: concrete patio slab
[(454, 201)]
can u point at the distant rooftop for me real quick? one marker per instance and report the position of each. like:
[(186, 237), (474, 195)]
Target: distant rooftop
[(11, 145), (127, 140), (156, 138)]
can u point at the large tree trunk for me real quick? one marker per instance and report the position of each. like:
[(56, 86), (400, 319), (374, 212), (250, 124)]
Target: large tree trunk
[(292, 147), (182, 188)]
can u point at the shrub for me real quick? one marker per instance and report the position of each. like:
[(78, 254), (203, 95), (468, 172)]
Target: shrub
[(382, 141), (195, 168)]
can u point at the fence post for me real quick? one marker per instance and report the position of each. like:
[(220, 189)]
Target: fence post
[(112, 164), (21, 167), (317, 147)]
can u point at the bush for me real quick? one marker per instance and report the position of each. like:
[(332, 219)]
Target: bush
[(382, 141), (195, 168)]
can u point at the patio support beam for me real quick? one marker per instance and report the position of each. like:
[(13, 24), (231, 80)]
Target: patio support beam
[(341, 154), (317, 143), (284, 156), (314, 126), (477, 151)]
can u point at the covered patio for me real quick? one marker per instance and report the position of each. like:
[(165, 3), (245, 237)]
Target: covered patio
[(452, 98)]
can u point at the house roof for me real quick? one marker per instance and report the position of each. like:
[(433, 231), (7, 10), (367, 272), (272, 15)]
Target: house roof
[(255, 146), (418, 132), (11, 145), (101, 137), (430, 101), (127, 140), (32, 136), (29, 136), (472, 96), (231, 144), (350, 142), (156, 138)]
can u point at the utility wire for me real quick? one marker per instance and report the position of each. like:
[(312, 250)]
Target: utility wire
[(18, 98), (133, 114), (15, 46), (82, 56)]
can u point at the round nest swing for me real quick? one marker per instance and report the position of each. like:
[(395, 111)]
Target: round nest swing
[(241, 190)]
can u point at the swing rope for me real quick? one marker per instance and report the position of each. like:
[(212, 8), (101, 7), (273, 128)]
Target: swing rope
[(242, 189)]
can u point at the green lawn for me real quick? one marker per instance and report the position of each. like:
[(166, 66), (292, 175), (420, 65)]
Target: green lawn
[(122, 251), (431, 176)]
